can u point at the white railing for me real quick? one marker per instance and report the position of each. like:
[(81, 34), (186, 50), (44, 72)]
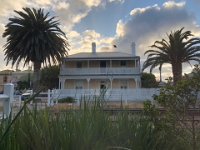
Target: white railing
[(138, 94), (88, 71)]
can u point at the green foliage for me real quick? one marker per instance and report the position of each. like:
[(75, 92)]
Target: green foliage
[(90, 127), (67, 100), (34, 36), (85, 129), (21, 85), (178, 49), (49, 77), (177, 102), (148, 80)]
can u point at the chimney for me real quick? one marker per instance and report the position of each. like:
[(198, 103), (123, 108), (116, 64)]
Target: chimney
[(93, 48), (133, 48)]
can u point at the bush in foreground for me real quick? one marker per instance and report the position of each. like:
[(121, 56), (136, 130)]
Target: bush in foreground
[(87, 129)]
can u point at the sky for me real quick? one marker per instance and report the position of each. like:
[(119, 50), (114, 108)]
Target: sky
[(108, 22)]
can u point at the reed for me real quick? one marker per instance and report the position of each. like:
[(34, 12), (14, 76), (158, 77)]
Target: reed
[(88, 128)]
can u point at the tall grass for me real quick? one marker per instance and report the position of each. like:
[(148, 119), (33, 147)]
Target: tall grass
[(89, 128)]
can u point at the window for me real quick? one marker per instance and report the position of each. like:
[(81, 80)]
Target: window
[(102, 64), (79, 85), (79, 65), (5, 78), (124, 84), (134, 64), (123, 63)]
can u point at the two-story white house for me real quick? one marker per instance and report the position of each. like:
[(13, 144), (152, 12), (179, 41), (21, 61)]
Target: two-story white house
[(90, 73)]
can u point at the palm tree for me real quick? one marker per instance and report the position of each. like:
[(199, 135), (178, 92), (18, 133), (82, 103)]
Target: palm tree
[(34, 37), (179, 49)]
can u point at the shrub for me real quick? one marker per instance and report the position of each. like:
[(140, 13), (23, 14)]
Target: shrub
[(67, 100)]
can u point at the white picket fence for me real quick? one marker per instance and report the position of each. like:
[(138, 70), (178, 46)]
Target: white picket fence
[(127, 95), (138, 94)]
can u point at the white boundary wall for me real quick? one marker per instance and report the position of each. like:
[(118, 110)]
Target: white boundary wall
[(138, 94)]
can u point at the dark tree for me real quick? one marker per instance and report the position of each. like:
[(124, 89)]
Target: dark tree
[(49, 77), (148, 80), (21, 85)]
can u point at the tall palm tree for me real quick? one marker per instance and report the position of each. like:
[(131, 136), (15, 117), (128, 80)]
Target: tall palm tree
[(179, 49), (34, 37)]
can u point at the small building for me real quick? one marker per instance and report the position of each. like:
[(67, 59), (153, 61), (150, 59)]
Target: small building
[(25, 75), (10, 76), (90, 73), (5, 77)]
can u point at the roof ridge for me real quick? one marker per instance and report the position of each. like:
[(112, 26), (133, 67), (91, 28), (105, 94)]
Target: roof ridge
[(99, 53)]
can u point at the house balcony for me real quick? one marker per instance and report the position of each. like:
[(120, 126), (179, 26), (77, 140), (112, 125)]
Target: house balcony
[(100, 71)]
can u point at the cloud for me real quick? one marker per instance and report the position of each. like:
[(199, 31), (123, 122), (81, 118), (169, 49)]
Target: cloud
[(148, 24), (118, 1), (81, 42), (62, 6), (69, 12), (120, 29), (172, 4), (92, 3), (2, 42), (73, 11), (43, 2), (7, 6), (148, 9)]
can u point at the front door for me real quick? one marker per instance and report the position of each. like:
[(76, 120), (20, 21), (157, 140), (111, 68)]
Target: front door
[(102, 85), (103, 64), (102, 89)]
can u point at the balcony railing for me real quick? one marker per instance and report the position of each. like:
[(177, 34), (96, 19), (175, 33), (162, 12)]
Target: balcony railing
[(98, 71)]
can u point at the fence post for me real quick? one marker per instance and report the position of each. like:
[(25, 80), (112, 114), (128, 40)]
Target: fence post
[(9, 91), (20, 100), (78, 101), (52, 97), (55, 96), (31, 93), (49, 98)]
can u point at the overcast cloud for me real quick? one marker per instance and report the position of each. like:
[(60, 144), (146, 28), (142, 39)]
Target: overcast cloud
[(146, 25)]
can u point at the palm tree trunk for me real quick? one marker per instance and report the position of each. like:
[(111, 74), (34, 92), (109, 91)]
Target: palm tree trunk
[(160, 73), (36, 76), (177, 72)]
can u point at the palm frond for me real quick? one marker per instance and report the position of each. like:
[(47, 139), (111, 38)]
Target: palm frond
[(178, 49), (34, 36)]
